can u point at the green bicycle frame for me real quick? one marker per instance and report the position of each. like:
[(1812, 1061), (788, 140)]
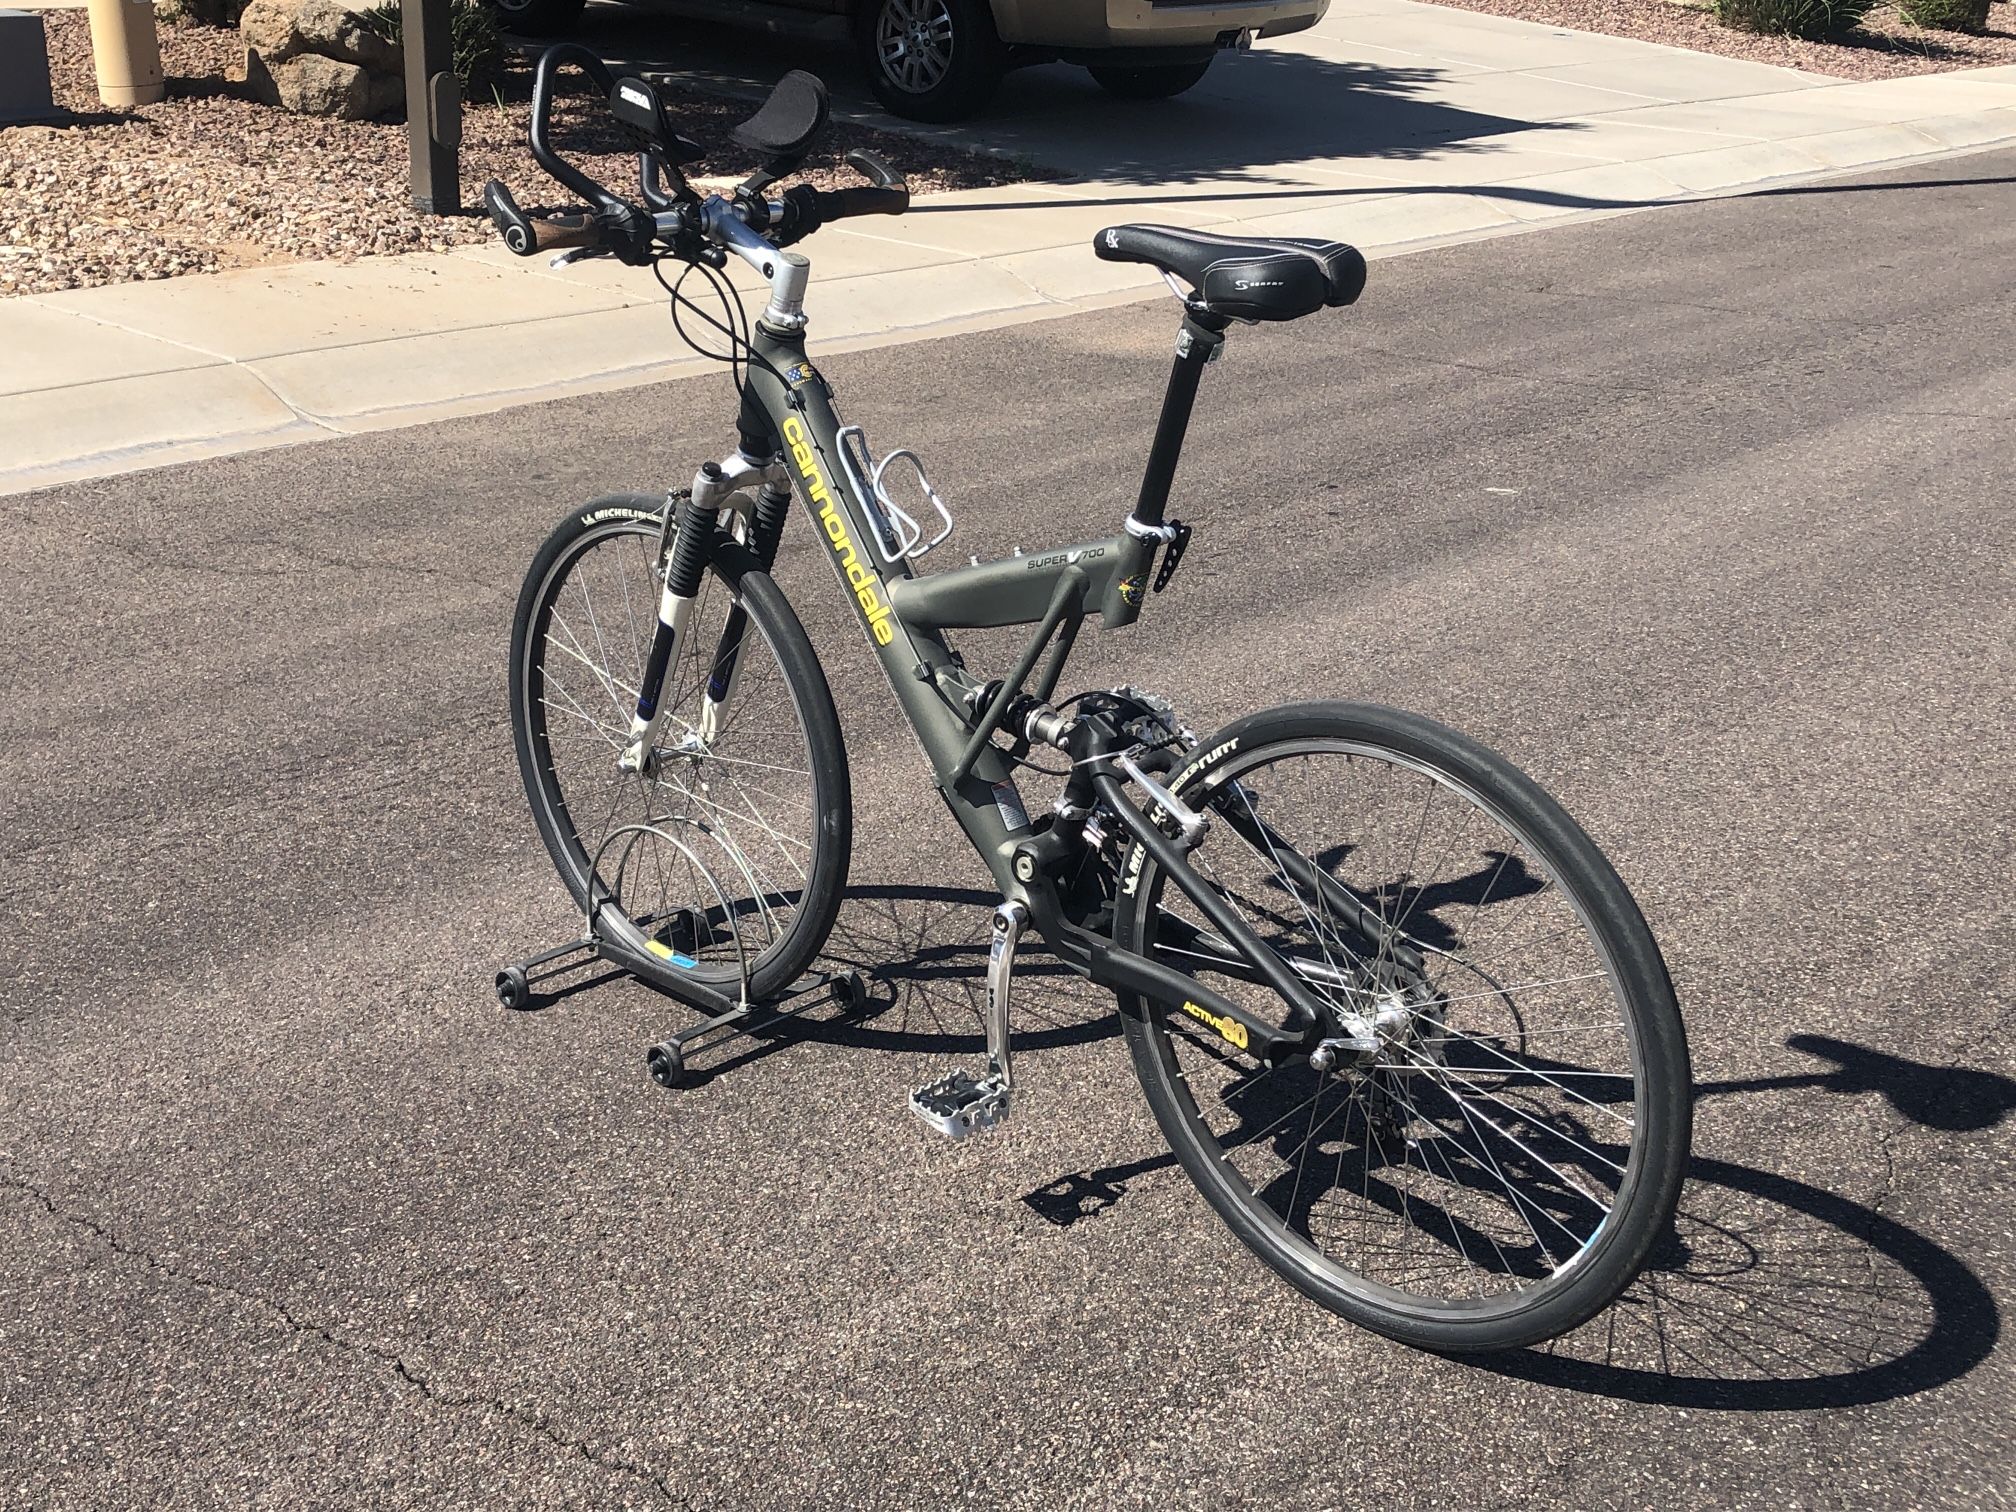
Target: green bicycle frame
[(788, 408), (905, 616)]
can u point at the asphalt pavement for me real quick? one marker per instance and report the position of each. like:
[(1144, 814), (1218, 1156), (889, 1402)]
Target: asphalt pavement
[(1702, 515)]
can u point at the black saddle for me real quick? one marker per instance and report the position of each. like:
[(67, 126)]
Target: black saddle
[(1249, 277)]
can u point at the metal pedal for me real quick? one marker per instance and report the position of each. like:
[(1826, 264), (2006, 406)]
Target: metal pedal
[(960, 1103)]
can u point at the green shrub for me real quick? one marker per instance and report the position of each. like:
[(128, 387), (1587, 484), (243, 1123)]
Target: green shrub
[(472, 37), (1816, 19), (1947, 15)]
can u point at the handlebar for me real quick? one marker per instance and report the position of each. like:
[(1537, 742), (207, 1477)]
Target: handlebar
[(675, 218), (542, 111), (529, 235)]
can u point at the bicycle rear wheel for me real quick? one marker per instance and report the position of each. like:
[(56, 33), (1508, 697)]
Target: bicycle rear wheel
[(730, 851), (1497, 1170)]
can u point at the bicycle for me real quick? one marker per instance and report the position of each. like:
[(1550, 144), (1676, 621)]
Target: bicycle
[(1398, 1018)]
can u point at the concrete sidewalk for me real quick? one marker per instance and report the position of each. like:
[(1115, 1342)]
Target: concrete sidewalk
[(1392, 125)]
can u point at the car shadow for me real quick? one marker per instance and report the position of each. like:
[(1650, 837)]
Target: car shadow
[(1242, 138), (1256, 111)]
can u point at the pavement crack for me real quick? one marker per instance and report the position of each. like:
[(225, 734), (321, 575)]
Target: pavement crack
[(422, 1383)]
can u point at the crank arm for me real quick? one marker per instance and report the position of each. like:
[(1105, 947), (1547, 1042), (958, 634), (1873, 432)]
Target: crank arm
[(1010, 919)]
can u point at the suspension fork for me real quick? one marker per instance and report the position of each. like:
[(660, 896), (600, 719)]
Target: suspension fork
[(773, 507), (713, 486)]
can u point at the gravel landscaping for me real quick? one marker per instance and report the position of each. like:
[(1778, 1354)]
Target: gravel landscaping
[(212, 179), (1884, 46)]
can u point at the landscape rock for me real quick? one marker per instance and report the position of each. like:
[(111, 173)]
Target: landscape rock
[(320, 57), (282, 29), (311, 84)]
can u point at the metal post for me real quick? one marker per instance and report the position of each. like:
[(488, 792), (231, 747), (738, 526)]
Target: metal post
[(433, 107), (127, 52)]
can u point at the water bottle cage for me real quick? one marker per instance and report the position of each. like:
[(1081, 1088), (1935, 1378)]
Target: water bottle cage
[(899, 536)]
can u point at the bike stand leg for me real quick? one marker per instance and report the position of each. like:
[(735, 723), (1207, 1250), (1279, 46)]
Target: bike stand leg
[(668, 1061), (515, 982)]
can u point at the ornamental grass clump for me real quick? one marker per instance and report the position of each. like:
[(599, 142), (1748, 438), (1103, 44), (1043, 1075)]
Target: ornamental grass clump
[(474, 44), (1812, 19), (1947, 15)]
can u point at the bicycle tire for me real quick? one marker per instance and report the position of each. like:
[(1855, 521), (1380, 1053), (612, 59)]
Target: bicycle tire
[(1220, 775), (814, 902)]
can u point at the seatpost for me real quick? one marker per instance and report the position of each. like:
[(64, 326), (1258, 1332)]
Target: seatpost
[(1196, 344)]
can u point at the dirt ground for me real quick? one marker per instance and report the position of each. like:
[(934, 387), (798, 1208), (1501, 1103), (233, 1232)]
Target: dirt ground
[(1884, 46)]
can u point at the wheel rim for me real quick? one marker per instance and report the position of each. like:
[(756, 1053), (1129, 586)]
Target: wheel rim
[(707, 854), (913, 44), (1476, 1162)]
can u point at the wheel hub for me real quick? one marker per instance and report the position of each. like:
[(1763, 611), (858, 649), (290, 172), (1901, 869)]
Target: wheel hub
[(1401, 1039)]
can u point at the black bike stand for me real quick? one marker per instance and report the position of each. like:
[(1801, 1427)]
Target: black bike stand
[(725, 1018), (667, 1059)]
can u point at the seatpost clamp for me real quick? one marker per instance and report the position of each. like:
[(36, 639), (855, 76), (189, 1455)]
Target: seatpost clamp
[(1143, 530), (1193, 337)]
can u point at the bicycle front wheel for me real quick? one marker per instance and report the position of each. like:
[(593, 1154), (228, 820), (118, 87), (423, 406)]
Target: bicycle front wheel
[(729, 851), (1493, 1169)]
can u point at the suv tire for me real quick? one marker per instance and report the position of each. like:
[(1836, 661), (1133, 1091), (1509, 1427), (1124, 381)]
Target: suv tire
[(930, 60)]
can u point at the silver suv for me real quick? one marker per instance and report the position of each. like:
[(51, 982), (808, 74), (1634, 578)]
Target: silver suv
[(940, 60)]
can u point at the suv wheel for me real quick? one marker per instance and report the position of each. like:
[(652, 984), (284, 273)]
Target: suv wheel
[(538, 18), (1156, 83), (931, 60)]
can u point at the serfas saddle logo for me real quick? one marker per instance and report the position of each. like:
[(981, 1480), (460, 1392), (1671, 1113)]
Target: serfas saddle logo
[(860, 577)]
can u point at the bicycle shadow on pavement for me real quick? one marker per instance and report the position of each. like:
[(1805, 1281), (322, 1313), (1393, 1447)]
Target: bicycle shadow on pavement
[(1769, 1293), (922, 956)]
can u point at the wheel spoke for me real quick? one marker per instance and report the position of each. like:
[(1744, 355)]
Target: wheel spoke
[(745, 803), (1486, 1166)]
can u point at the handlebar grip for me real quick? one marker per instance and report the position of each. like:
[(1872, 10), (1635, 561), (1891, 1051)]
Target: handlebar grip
[(550, 233), (838, 204), (529, 235)]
